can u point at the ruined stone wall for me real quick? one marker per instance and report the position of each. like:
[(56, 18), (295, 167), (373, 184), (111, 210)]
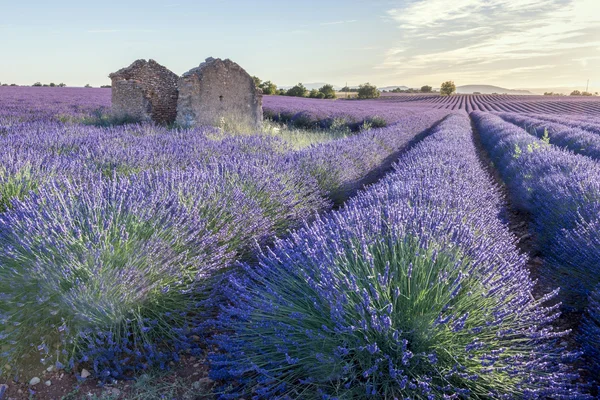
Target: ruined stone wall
[(219, 92), (145, 90)]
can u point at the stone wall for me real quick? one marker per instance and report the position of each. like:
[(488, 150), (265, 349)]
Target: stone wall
[(146, 91), (219, 92)]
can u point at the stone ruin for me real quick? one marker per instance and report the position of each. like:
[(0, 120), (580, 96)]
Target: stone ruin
[(219, 93), (146, 91)]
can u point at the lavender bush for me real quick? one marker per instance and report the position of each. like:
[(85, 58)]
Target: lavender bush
[(561, 191), (585, 122), (131, 212), (120, 259), (589, 335), (413, 290), (572, 138)]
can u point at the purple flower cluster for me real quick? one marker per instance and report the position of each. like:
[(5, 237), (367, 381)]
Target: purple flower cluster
[(21, 104), (561, 191), (575, 139), (585, 122), (414, 289), (589, 335), (110, 283), (563, 105), (325, 113), (343, 166)]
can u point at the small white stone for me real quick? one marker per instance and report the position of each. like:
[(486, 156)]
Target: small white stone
[(48, 383), (50, 368), (34, 381), (85, 373)]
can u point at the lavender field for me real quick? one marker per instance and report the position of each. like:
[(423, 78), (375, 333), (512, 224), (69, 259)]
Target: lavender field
[(422, 247)]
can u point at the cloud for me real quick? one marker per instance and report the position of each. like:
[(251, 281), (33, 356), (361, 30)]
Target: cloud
[(104, 31), (476, 40), (121, 31), (338, 22)]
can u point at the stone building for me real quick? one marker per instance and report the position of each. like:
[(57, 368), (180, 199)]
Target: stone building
[(219, 93), (146, 91)]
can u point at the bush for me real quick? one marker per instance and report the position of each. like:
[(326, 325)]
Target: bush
[(376, 122), (328, 92), (297, 91), (395, 296), (426, 89), (315, 94), (268, 88), (368, 91), (448, 88), (119, 263), (589, 335)]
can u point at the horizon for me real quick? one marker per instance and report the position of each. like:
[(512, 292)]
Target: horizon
[(513, 44)]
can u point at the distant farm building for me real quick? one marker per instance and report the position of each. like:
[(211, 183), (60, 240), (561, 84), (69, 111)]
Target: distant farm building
[(219, 92), (146, 91)]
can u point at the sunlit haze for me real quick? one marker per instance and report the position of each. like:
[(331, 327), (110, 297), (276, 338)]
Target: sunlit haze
[(509, 43)]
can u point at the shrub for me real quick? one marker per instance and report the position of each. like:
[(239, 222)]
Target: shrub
[(315, 94), (328, 92), (589, 336), (376, 122), (101, 265), (411, 291), (368, 91), (297, 91), (268, 88), (448, 88)]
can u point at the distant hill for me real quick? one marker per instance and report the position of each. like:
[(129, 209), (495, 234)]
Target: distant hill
[(488, 89)]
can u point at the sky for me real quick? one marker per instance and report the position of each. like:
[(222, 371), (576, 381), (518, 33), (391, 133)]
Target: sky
[(509, 43)]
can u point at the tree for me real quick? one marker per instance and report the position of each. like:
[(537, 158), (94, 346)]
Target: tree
[(52, 84), (368, 91), (257, 81), (328, 92), (87, 85), (316, 94), (448, 88), (426, 89), (37, 84), (297, 91), (62, 85), (268, 87)]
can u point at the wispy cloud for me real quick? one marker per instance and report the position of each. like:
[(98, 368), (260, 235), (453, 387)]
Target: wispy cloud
[(473, 39), (104, 31), (121, 31), (338, 22)]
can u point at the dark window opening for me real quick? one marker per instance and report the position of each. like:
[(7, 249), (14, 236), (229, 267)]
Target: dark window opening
[(221, 97)]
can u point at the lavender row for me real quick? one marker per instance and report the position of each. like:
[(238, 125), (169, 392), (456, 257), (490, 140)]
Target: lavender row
[(33, 151), (325, 113), (109, 269), (588, 123), (577, 140), (414, 289), (561, 191), (343, 166)]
